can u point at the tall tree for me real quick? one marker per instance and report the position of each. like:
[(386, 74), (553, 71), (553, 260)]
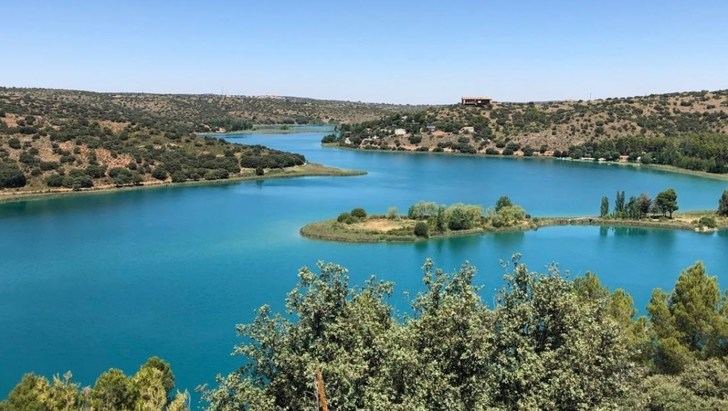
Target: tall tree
[(604, 208), (666, 202), (723, 204), (619, 203)]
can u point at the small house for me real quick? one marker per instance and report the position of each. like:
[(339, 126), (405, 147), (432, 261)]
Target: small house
[(400, 132), (475, 101)]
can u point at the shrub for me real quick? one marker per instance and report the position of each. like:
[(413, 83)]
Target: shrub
[(123, 176), (422, 210), (707, 221), (11, 176), (463, 216), (359, 213), (415, 139), (54, 180), (345, 218), (96, 171), (508, 216), (329, 138), (421, 229), (392, 213), (159, 173), (503, 201), (492, 151), (259, 171), (14, 143)]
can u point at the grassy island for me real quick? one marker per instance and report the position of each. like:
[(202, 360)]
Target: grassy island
[(424, 220)]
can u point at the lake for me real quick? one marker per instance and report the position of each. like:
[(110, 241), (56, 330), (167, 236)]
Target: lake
[(89, 282)]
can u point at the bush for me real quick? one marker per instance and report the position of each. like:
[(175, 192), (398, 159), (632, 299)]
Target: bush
[(359, 213), (422, 210), (123, 176), (345, 218), (503, 201), (492, 151), (329, 138), (463, 216), (159, 174), (96, 171), (508, 216), (14, 143), (54, 180), (421, 229), (11, 176), (259, 171), (707, 221)]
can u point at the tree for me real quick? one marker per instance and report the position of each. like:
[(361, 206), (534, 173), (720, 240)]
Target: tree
[(543, 346), (619, 203), (508, 216), (503, 201), (723, 204), (604, 208), (440, 219), (148, 389), (421, 229), (11, 176), (359, 213), (666, 202), (689, 322), (422, 210), (463, 216)]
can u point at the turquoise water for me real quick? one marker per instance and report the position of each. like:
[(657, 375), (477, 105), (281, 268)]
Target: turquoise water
[(105, 280)]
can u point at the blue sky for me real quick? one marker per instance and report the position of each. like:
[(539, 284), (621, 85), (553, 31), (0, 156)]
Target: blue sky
[(383, 51)]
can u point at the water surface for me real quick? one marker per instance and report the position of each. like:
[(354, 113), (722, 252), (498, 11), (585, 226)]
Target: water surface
[(105, 280)]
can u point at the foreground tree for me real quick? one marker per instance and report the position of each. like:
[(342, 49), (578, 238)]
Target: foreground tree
[(149, 389), (690, 323), (543, 346)]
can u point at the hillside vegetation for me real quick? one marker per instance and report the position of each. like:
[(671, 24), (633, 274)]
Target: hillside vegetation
[(73, 140), (687, 130)]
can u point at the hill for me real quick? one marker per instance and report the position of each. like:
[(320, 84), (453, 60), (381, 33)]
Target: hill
[(687, 130), (72, 140)]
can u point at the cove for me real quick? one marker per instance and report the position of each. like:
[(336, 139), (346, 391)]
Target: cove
[(97, 281)]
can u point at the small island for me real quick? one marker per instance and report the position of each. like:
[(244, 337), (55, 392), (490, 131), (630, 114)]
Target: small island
[(428, 220), (423, 221)]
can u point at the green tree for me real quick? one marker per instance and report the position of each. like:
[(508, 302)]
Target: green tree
[(688, 323), (11, 176), (440, 219), (619, 206), (463, 216), (359, 213), (604, 208), (503, 201), (421, 229), (666, 202), (723, 204)]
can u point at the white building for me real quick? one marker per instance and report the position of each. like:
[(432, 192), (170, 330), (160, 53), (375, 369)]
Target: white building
[(399, 131)]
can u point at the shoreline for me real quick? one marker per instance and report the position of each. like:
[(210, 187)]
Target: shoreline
[(269, 129), (307, 170), (657, 167), (331, 230)]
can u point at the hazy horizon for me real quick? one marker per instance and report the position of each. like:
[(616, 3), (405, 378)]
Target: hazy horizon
[(404, 53)]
